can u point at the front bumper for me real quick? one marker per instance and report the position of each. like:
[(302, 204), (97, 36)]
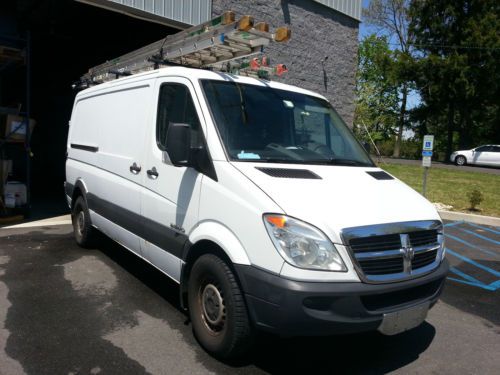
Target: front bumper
[(295, 308)]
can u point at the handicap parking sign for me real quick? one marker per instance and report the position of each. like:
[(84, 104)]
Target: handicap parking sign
[(428, 143)]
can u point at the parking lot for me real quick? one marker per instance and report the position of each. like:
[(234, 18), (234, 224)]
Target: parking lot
[(66, 310)]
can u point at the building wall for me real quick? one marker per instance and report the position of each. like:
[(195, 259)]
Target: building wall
[(317, 32)]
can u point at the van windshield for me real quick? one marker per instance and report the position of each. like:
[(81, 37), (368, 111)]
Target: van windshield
[(263, 124)]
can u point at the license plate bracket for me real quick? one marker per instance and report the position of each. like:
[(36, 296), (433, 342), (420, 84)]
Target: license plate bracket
[(403, 320)]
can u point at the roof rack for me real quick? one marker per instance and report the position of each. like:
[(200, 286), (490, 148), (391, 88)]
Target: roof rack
[(212, 45)]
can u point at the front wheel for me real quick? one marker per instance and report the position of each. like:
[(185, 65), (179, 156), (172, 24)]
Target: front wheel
[(217, 309), (460, 160)]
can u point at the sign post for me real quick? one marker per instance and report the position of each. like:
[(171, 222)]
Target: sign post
[(427, 147)]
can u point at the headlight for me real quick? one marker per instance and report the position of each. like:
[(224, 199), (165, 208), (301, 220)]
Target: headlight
[(302, 245)]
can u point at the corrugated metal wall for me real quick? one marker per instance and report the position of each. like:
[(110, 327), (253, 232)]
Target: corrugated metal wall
[(191, 12), (350, 7)]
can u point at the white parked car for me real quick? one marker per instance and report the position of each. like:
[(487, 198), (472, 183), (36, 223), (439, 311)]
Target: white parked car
[(256, 198), (482, 155)]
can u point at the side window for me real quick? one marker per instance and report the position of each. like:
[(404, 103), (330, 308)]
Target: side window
[(175, 105), (496, 149), (483, 148)]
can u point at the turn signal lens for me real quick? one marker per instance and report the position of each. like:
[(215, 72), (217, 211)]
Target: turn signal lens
[(278, 221)]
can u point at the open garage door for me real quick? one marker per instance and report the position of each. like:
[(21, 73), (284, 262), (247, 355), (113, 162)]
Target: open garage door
[(67, 37)]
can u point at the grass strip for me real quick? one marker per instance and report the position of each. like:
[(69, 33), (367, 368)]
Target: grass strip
[(450, 187)]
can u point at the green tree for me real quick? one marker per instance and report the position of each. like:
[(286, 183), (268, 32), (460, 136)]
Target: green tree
[(458, 73), (377, 98), (391, 19)]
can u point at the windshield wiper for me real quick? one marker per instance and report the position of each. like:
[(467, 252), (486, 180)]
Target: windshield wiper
[(331, 161), (336, 161), (285, 161)]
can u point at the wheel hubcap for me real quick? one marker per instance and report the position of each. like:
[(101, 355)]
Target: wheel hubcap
[(213, 305), (80, 222)]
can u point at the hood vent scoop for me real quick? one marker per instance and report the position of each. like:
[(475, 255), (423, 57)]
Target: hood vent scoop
[(381, 175), (290, 173)]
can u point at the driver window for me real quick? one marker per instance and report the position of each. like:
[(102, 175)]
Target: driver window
[(175, 105)]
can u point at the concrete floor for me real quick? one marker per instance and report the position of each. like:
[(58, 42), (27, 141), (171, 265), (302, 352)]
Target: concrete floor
[(66, 310)]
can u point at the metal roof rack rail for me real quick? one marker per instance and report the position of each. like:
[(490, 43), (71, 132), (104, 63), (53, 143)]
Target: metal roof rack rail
[(210, 45)]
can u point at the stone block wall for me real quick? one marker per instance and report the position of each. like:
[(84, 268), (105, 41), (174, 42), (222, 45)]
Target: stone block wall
[(318, 32)]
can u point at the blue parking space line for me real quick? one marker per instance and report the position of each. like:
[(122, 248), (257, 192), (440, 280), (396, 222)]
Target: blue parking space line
[(463, 275), (454, 223), (471, 245), (495, 285), (484, 228), (480, 236), (474, 263), (472, 281), (489, 287)]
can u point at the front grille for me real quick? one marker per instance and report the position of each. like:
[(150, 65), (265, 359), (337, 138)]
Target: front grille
[(382, 266), (395, 255), (423, 237), (424, 259), (375, 243)]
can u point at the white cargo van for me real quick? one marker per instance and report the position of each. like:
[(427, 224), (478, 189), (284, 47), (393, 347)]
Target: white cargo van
[(256, 198)]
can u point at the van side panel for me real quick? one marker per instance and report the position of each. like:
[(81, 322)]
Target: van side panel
[(114, 123)]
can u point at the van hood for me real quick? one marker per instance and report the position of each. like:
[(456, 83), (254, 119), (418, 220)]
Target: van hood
[(337, 197)]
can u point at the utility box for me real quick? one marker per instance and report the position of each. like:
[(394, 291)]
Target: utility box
[(15, 194)]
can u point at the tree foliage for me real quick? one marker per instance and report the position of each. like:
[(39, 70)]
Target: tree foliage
[(391, 19), (449, 51), (458, 70), (377, 97)]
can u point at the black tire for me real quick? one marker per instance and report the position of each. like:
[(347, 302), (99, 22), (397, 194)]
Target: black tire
[(85, 233), (460, 160), (217, 309)]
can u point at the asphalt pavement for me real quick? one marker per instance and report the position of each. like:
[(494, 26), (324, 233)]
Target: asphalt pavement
[(437, 164), (66, 310)]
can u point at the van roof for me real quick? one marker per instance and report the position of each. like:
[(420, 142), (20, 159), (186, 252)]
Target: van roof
[(195, 74)]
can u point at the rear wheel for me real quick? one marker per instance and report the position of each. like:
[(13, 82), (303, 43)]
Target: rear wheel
[(460, 160), (85, 233), (217, 308)]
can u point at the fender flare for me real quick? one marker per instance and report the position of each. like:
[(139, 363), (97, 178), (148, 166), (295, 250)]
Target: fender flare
[(223, 237), (79, 184)]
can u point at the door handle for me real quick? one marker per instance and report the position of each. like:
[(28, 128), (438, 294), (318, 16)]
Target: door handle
[(135, 169), (153, 173)]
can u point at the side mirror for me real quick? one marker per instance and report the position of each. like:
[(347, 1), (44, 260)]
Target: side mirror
[(367, 147), (179, 143)]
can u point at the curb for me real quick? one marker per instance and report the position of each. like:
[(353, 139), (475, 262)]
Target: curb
[(471, 218)]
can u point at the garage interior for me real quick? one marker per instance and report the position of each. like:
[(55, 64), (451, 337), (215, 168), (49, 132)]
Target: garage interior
[(59, 40)]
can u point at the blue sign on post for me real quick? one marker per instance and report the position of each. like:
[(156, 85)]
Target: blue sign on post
[(426, 153)]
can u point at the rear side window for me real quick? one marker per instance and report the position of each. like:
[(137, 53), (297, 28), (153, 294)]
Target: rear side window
[(483, 149), (175, 105)]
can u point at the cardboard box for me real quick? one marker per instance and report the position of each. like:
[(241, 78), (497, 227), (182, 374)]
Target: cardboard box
[(16, 126)]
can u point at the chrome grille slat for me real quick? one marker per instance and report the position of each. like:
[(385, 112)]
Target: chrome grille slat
[(411, 249)]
